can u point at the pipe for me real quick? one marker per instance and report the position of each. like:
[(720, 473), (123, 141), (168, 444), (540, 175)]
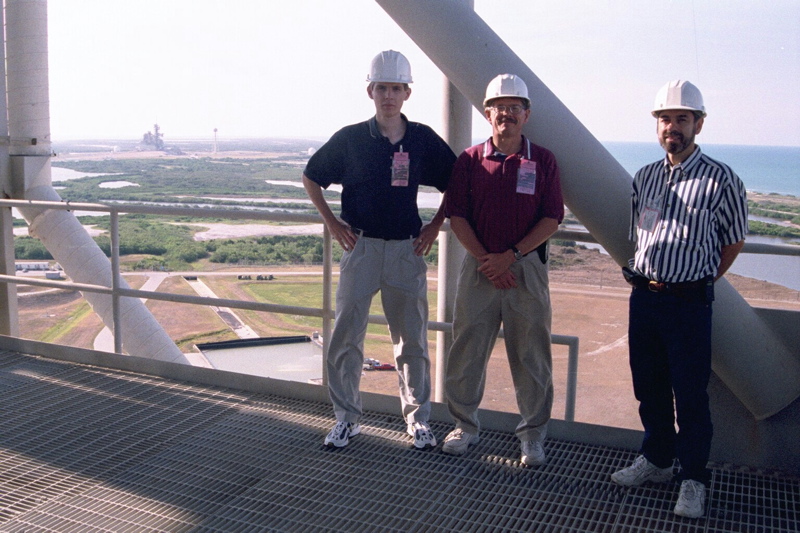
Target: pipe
[(9, 308), (30, 150), (749, 357)]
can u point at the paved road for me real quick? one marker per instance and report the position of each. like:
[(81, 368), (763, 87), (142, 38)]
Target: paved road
[(105, 340)]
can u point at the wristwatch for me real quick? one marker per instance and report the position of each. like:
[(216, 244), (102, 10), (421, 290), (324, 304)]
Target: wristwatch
[(517, 254)]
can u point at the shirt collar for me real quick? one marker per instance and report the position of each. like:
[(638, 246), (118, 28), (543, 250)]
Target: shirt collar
[(489, 149), (687, 163), (375, 132)]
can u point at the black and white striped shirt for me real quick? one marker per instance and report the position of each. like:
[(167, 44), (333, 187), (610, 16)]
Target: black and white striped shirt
[(682, 216)]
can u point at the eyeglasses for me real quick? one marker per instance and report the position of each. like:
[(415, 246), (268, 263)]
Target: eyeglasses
[(515, 109)]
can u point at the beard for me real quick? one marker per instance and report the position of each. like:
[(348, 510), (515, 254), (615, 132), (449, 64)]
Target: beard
[(676, 142)]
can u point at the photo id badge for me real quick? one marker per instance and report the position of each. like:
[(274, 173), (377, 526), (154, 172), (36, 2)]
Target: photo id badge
[(526, 177), (650, 216), (400, 166)]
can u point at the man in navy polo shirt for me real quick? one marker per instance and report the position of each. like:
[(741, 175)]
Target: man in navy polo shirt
[(380, 164), (504, 202)]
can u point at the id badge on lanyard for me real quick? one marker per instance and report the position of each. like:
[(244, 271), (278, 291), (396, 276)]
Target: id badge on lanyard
[(651, 214), (526, 177), (400, 167)]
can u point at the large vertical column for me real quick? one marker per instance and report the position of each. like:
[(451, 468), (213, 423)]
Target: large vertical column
[(458, 134), (9, 315), (749, 356)]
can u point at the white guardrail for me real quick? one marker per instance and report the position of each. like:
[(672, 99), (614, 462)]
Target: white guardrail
[(326, 312)]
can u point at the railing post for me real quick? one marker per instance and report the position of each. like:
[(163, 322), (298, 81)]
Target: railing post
[(572, 374), (327, 290), (115, 281), (9, 312)]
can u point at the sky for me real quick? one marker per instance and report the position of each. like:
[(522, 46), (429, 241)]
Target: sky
[(297, 68)]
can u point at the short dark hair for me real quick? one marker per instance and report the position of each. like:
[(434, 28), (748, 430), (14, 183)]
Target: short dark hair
[(372, 84)]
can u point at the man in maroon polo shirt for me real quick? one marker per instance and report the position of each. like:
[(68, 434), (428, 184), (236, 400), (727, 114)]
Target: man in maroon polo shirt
[(504, 202)]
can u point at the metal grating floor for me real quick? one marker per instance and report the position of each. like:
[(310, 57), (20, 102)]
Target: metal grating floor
[(89, 449)]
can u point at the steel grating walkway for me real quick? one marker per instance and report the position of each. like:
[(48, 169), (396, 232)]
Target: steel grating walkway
[(89, 449)]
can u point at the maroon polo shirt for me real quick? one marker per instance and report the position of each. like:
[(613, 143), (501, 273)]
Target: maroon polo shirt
[(483, 190)]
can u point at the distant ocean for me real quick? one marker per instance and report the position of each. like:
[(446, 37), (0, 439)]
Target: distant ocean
[(764, 169)]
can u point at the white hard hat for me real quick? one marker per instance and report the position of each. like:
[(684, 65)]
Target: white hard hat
[(506, 86), (679, 94), (390, 67)]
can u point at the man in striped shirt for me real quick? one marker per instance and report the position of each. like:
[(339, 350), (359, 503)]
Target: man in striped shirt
[(688, 220)]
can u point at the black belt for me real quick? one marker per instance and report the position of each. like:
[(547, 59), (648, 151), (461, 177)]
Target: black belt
[(370, 235), (640, 282)]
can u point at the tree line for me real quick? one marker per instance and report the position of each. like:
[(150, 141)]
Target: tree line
[(168, 245)]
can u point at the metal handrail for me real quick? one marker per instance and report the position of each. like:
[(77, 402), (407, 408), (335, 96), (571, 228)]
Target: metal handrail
[(326, 313)]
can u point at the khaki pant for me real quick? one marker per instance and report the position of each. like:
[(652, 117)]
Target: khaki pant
[(392, 268), (525, 313)]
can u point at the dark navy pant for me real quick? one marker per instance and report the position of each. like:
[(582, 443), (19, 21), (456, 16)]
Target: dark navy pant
[(670, 356)]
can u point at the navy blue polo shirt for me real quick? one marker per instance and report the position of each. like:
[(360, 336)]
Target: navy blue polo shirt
[(360, 159)]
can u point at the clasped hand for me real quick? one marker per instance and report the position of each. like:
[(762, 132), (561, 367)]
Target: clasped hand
[(496, 268)]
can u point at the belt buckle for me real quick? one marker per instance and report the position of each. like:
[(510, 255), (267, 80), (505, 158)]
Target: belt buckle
[(656, 286)]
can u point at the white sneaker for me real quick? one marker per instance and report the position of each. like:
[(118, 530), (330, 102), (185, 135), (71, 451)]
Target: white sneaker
[(533, 453), (640, 472), (341, 433), (457, 442), (423, 436), (691, 500)]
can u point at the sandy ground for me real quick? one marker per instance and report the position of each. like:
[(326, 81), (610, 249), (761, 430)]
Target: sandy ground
[(234, 231)]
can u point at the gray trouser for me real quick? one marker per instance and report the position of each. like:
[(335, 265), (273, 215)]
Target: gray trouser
[(526, 316), (392, 268)]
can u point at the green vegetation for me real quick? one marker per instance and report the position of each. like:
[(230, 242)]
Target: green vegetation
[(776, 210), (30, 249), (302, 249), (63, 327), (187, 343), (773, 230), (169, 245), (183, 180), (306, 293), (162, 243)]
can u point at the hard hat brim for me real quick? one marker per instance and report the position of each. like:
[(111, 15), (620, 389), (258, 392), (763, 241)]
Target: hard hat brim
[(701, 112), (488, 101), (386, 80)]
